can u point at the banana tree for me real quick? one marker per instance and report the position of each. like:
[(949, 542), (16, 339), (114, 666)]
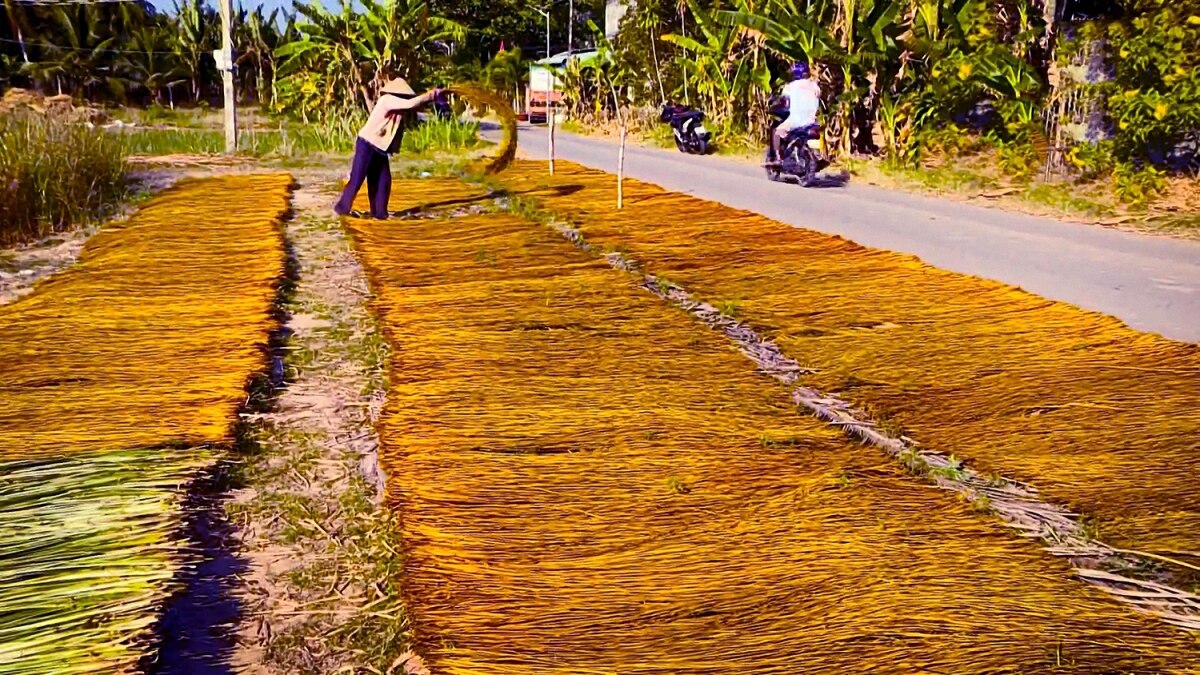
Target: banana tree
[(789, 29), (258, 36), (322, 60), (506, 73), (194, 39), (395, 37), (724, 62), (852, 40), (782, 28)]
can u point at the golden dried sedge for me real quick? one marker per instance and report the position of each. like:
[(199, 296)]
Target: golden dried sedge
[(591, 483), (1097, 416), (108, 372)]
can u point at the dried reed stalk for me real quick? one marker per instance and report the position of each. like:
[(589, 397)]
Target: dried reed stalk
[(1097, 416), (589, 482), (508, 122), (109, 372)]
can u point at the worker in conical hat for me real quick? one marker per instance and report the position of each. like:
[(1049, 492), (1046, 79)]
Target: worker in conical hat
[(379, 138)]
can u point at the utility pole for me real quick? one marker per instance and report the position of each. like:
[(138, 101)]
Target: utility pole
[(224, 59), (570, 28)]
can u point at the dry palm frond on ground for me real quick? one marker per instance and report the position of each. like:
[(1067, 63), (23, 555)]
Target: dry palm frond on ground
[(109, 372), (588, 482), (1095, 415)]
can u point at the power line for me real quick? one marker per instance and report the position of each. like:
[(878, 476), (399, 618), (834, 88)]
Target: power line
[(52, 3), (115, 50)]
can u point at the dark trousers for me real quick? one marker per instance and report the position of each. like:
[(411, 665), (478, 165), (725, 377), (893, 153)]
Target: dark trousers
[(370, 164)]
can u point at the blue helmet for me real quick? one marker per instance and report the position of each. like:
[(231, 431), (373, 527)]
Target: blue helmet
[(800, 70)]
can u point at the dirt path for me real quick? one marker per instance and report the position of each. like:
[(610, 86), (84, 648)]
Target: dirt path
[(320, 592), (311, 558)]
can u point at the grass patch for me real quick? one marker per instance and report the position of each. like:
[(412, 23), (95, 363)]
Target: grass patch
[(435, 135), (944, 178), (729, 307), (156, 114), (173, 141), (952, 471), (286, 141), (1065, 198), (55, 175)]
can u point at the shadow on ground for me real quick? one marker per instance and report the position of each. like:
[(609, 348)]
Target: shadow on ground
[(197, 632)]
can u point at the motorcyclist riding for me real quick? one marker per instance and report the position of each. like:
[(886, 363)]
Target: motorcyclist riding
[(803, 98)]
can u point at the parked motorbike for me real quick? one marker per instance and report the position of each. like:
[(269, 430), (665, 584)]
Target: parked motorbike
[(441, 106), (800, 152), (688, 126)]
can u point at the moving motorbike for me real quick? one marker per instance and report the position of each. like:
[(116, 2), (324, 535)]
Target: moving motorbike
[(688, 125), (801, 155)]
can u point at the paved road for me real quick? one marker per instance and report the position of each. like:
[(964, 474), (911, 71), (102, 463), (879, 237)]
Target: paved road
[(1151, 283)]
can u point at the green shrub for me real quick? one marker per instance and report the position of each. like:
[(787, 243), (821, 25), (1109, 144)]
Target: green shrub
[(1138, 186), (1018, 159), (1092, 160), (55, 175)]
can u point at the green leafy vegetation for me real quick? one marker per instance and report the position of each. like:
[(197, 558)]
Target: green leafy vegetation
[(919, 83), (438, 135), (55, 175)]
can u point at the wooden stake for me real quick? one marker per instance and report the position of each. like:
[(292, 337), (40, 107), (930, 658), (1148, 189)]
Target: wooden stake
[(550, 123), (621, 169)]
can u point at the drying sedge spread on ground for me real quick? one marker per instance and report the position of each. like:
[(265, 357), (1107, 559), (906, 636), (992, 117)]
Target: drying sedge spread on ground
[(591, 483), (108, 372), (151, 336), (1095, 415)]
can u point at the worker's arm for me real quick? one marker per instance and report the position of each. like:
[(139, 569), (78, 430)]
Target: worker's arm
[(395, 104)]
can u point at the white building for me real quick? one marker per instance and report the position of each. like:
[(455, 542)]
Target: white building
[(614, 11)]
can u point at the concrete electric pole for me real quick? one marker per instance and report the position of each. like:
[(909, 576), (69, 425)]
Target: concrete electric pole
[(224, 59)]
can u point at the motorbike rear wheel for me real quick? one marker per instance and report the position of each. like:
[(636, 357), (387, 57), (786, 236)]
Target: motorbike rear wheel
[(773, 172), (805, 158)]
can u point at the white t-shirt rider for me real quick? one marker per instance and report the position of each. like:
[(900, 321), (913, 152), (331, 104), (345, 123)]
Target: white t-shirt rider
[(804, 101)]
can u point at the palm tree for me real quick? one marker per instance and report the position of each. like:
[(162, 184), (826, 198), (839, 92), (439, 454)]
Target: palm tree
[(79, 59), (150, 63)]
